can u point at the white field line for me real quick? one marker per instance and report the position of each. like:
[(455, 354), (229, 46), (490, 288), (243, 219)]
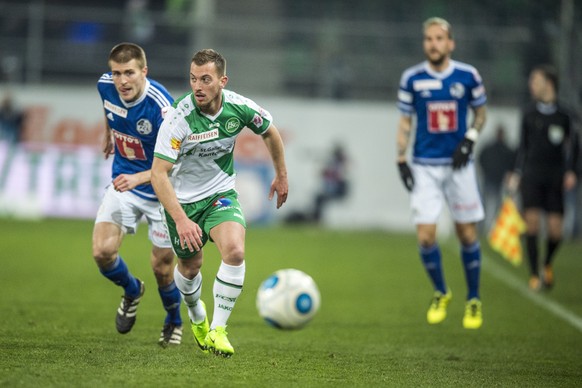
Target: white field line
[(519, 285)]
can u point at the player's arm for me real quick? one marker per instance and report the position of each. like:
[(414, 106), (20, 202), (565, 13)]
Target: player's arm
[(125, 182), (189, 232), (572, 151), (402, 140), (465, 148), (108, 145), (480, 117), (403, 137), (280, 185)]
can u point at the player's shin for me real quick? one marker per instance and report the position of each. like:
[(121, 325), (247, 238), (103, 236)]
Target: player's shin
[(227, 288), (191, 289)]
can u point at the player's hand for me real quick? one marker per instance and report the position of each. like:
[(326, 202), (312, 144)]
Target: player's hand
[(570, 180), (190, 235), (125, 182), (406, 175), (462, 153), (513, 180), (281, 187)]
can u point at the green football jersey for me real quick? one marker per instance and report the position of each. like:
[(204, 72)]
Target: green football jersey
[(201, 147)]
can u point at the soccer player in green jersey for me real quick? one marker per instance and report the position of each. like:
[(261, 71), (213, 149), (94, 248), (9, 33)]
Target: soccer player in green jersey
[(194, 178)]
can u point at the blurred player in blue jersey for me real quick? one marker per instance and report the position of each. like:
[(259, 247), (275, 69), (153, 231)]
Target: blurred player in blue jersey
[(133, 106), (440, 91)]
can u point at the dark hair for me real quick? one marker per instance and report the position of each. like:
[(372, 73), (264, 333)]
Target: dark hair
[(205, 56), (125, 52), (549, 72)]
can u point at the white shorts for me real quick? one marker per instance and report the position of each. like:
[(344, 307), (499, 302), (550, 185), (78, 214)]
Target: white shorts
[(126, 209), (433, 184)]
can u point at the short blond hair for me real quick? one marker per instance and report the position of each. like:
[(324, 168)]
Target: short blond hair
[(440, 22)]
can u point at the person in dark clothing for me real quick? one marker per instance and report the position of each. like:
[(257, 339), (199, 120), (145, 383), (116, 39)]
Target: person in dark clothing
[(11, 120), (497, 160), (545, 168), (334, 182)]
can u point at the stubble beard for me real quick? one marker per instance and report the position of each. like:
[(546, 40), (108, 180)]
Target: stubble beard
[(438, 61)]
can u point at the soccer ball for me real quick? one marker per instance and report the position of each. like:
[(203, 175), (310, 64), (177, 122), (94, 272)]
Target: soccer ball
[(288, 299)]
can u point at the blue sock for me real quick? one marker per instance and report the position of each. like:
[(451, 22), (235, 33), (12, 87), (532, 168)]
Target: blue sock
[(431, 258), (119, 274), (471, 255), (171, 299)]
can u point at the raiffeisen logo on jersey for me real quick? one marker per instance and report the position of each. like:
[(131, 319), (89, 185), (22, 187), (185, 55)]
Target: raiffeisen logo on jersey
[(204, 136)]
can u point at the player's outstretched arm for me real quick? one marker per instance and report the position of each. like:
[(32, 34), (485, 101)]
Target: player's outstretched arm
[(189, 232), (280, 185)]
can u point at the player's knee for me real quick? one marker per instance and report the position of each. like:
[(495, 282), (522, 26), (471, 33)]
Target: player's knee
[(104, 256), (235, 255), (426, 240), (189, 268)]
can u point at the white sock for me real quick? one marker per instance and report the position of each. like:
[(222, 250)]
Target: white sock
[(227, 287), (191, 289)]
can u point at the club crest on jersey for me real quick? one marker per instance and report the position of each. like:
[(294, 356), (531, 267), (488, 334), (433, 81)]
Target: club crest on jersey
[(232, 125), (442, 116), (457, 90), (144, 127), (555, 134)]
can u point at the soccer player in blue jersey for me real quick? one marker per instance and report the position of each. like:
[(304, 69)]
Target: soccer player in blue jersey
[(440, 92), (133, 106)]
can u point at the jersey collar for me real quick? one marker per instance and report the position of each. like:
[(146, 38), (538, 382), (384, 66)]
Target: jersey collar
[(546, 108), (210, 117), (442, 74)]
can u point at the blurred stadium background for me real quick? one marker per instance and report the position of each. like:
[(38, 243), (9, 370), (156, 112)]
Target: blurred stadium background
[(327, 70)]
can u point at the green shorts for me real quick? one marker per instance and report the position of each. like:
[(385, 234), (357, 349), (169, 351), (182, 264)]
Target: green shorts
[(207, 213)]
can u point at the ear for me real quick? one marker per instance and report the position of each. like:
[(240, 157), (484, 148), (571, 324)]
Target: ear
[(452, 46), (223, 81), (145, 71)]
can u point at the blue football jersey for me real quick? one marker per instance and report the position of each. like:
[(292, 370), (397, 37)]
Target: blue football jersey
[(135, 128), (441, 103)]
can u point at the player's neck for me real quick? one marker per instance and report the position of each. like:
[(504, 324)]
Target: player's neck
[(440, 66), (214, 106)]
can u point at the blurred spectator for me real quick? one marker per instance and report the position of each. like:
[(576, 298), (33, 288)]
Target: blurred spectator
[(334, 186), (140, 26), (334, 183), (496, 161), (11, 120)]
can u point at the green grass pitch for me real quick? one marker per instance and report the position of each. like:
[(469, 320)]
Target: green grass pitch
[(57, 327)]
